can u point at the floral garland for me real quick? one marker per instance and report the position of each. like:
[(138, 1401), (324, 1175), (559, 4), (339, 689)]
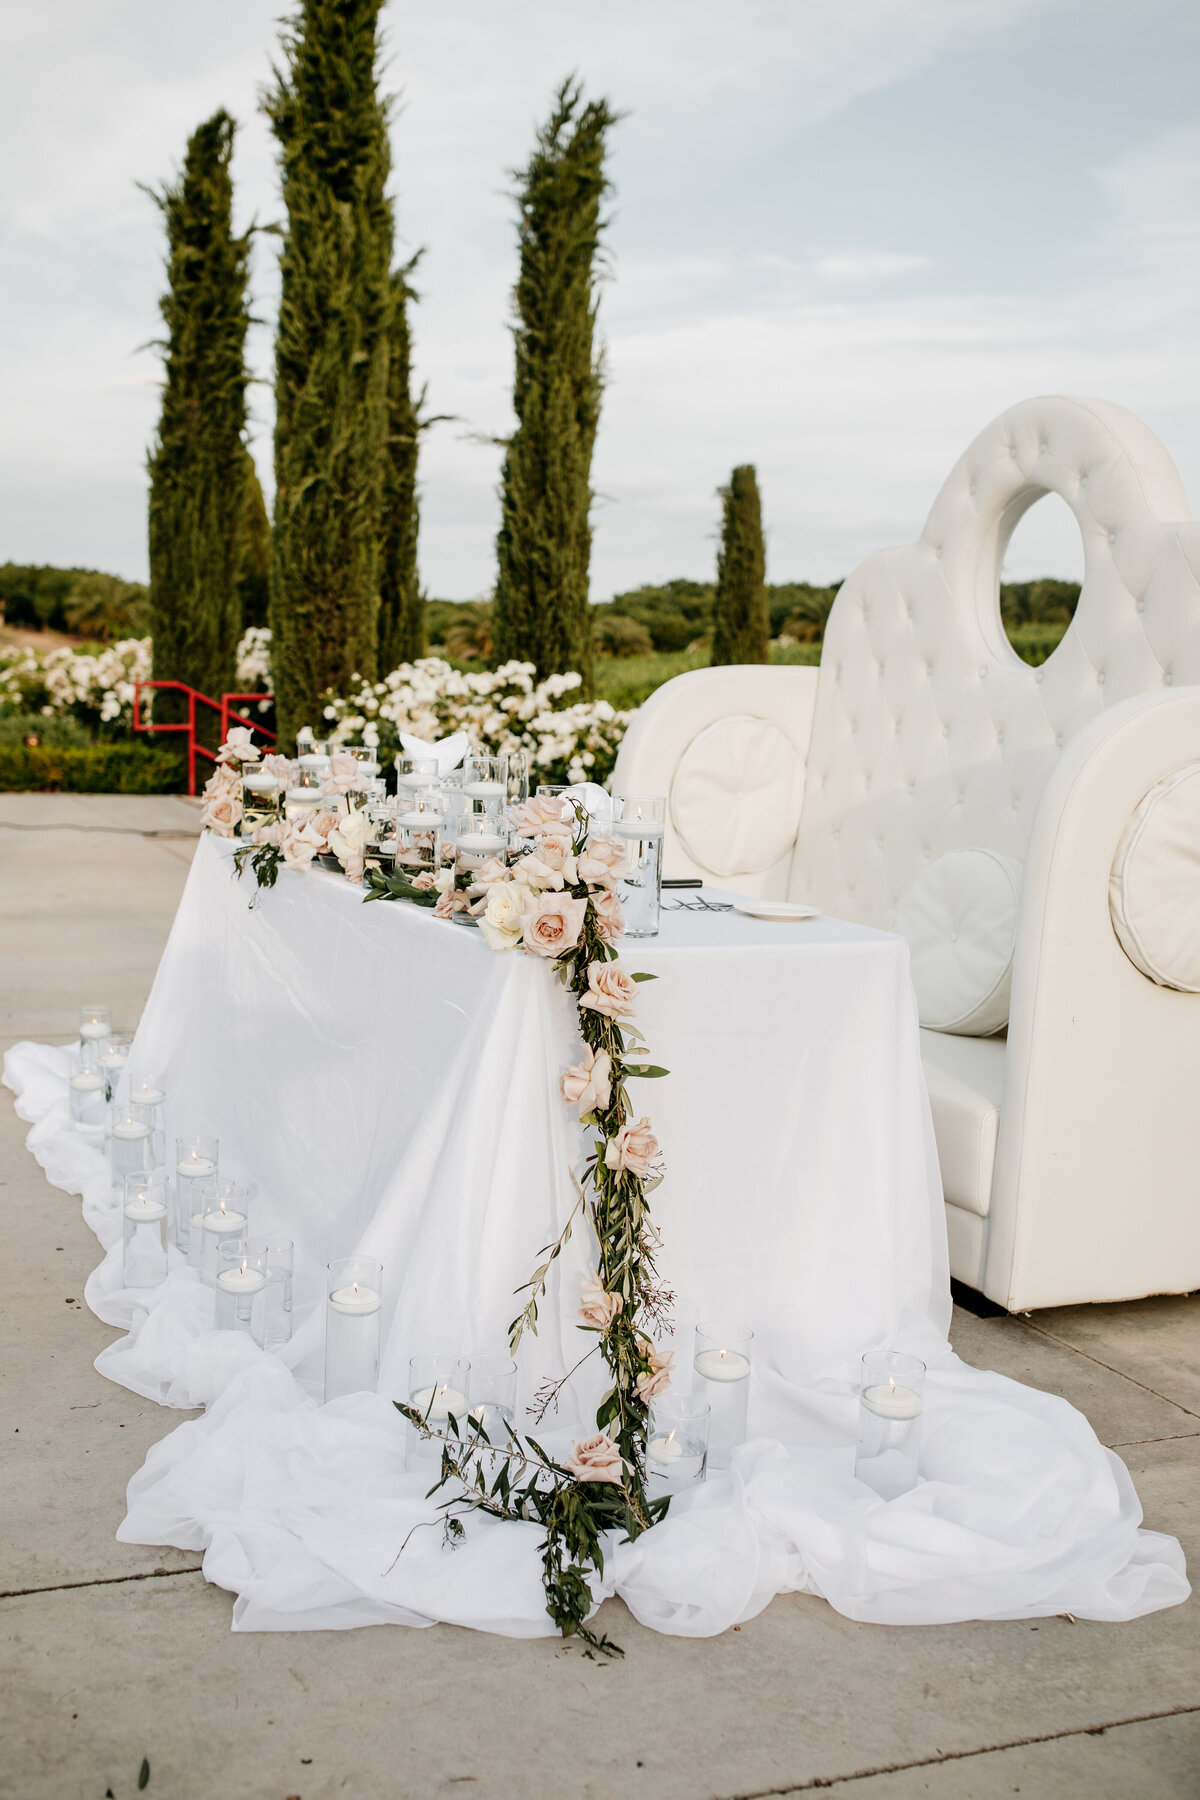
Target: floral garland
[(557, 901)]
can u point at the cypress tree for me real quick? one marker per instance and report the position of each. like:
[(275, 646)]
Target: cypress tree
[(401, 608), (331, 354), (198, 463), (254, 560), (741, 618), (544, 546)]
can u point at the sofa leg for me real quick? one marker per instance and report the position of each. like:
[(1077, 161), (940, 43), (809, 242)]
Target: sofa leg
[(972, 1301)]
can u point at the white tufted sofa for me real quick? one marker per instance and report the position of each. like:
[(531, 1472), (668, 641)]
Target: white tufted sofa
[(1070, 1149)]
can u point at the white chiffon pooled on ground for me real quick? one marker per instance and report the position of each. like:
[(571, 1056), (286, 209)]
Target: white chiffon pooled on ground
[(391, 1084)]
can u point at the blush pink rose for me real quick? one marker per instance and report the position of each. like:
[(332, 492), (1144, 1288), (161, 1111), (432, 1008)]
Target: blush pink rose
[(597, 1308), (610, 920), (299, 845), (451, 901), (222, 813), (343, 772), (425, 880), (610, 990), (552, 924), (271, 834), (239, 746), (322, 825), (603, 860), (596, 1459), (278, 766), (657, 1379), (534, 815), (588, 1084), (634, 1148)]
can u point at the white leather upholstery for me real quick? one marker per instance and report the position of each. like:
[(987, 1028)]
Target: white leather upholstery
[(959, 919), (1154, 888), (926, 734), (735, 799), (965, 1077)]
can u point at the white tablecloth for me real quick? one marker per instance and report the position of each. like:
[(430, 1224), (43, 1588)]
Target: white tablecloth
[(392, 1085)]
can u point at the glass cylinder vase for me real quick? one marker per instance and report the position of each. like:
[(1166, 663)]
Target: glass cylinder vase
[(891, 1404), (354, 1297), (721, 1376), (144, 1229), (677, 1443), (639, 822), (239, 1281)]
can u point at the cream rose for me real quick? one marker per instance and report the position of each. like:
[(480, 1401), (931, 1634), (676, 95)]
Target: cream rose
[(221, 814), (278, 766), (597, 1307), (552, 924), (502, 923), (596, 1459), (610, 920), (343, 772), (551, 865), (603, 860), (347, 839), (271, 834), (634, 1148), (239, 746), (657, 1379), (610, 990), (299, 845), (588, 1084)]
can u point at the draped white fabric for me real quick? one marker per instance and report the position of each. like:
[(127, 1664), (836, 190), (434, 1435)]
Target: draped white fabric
[(392, 1085)]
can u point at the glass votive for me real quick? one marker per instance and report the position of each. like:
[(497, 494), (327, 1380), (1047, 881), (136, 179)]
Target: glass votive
[(146, 1092), (145, 1229), (195, 1185), (639, 821), (438, 1387), (304, 801), (95, 1022), (721, 1376), (276, 1327), (226, 1216), (518, 777), (419, 821), (114, 1055), (558, 790), (87, 1088), (677, 1443), (485, 782), (129, 1147), (260, 800), (484, 841), (379, 849), (240, 1277), (412, 774), (354, 1296), (891, 1402), (312, 767), (492, 1391)]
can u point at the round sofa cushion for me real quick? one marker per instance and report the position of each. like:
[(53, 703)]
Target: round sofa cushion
[(960, 921), (736, 796), (1154, 887)]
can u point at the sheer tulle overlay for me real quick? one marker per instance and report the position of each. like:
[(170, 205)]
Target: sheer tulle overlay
[(391, 1084)]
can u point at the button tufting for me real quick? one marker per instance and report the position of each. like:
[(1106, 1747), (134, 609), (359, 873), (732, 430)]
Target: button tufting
[(1112, 537), (1101, 677), (1167, 678), (1038, 673), (1058, 740), (1141, 606), (912, 787)]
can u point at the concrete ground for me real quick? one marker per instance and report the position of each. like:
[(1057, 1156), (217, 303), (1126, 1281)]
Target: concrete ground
[(115, 1656)]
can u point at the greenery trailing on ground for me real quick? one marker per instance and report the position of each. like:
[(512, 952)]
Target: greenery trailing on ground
[(199, 466), (401, 608), (331, 359), (541, 610), (741, 618)]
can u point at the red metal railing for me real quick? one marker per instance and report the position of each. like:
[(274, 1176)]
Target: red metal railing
[(222, 707)]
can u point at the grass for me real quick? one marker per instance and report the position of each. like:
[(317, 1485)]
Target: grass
[(626, 681)]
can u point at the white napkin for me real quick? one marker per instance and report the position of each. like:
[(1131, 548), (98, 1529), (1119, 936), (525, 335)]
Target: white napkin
[(594, 801), (449, 751)]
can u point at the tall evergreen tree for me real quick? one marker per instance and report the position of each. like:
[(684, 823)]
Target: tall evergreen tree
[(331, 357), (401, 608), (545, 541), (198, 463), (254, 565), (741, 618)]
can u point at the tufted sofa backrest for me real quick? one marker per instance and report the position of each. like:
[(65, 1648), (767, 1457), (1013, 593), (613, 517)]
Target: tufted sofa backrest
[(930, 734)]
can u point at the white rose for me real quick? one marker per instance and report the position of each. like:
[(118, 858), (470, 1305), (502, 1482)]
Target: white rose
[(349, 839), (502, 920)]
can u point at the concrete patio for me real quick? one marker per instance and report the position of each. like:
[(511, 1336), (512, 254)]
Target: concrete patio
[(115, 1654)]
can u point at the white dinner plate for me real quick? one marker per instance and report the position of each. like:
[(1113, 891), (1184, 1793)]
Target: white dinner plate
[(775, 909)]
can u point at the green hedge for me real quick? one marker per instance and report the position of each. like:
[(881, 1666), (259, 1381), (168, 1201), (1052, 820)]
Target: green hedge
[(98, 769)]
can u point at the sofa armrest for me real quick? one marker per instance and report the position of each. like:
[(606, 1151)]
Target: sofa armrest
[(660, 755), (1095, 1188)]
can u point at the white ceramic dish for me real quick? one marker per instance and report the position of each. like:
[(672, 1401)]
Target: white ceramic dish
[(775, 909)]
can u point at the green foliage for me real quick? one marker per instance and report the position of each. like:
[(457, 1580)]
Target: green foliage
[(118, 768), (615, 634), (463, 629), (331, 356), (199, 463), (545, 540), (1034, 643), (401, 609), (254, 553), (799, 611), (1044, 602), (741, 621), (62, 732), (86, 601), (628, 682)]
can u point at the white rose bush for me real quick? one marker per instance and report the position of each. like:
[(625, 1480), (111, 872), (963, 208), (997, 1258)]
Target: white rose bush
[(557, 900)]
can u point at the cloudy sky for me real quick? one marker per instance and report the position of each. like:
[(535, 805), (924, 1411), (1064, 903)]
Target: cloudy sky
[(843, 237)]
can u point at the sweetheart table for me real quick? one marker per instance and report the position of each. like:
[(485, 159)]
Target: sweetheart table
[(391, 1086)]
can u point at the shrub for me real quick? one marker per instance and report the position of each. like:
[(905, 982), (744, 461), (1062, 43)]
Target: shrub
[(94, 769), (616, 635)]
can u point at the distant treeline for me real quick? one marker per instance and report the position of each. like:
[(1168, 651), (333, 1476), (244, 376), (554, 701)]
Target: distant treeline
[(83, 602)]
